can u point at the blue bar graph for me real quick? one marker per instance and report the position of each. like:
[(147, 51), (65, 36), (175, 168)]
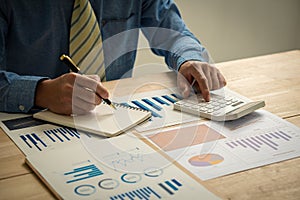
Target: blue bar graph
[(82, 173), (63, 134), (154, 104), (142, 106), (62, 130), (161, 101), (33, 141), (177, 96), (170, 99), (72, 132), (150, 103), (54, 131), (171, 186), (145, 193), (37, 138), (270, 140), (47, 133), (159, 105), (25, 140), (176, 182), (44, 139)]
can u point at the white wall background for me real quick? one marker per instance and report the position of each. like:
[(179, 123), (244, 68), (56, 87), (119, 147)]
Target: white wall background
[(241, 28), (232, 29)]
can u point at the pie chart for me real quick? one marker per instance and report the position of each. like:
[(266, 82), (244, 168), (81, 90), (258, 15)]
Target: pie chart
[(205, 160)]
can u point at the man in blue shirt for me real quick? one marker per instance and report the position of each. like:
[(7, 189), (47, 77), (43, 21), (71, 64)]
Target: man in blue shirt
[(33, 35)]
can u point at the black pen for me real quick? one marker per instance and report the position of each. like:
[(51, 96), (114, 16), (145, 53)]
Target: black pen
[(74, 68)]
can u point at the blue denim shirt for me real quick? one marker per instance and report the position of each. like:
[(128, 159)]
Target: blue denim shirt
[(33, 34)]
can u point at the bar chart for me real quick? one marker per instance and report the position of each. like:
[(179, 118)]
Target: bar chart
[(154, 104), (271, 140), (160, 104), (170, 186), (82, 173), (37, 136), (41, 140), (145, 193)]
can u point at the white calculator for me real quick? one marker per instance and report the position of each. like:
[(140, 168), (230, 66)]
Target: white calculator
[(224, 105)]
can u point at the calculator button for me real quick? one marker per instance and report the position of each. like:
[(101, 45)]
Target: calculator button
[(228, 103), (195, 107), (187, 104), (209, 106), (179, 103), (202, 109), (217, 108), (210, 110), (228, 98), (234, 100), (237, 103), (215, 103)]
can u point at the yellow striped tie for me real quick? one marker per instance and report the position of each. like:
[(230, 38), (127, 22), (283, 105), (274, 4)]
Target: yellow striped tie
[(85, 40)]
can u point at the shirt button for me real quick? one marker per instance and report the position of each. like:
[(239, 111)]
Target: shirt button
[(21, 107)]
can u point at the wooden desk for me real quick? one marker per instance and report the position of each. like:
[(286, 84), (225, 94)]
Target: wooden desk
[(274, 78)]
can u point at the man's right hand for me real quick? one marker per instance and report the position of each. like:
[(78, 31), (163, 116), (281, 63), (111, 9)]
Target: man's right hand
[(70, 93)]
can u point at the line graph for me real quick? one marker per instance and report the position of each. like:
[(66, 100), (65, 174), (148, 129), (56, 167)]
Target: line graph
[(125, 158)]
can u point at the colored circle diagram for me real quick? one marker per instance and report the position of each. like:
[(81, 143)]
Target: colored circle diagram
[(205, 160)]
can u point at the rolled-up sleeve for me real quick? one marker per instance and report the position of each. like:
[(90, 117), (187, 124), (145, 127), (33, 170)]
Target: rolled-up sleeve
[(168, 35)]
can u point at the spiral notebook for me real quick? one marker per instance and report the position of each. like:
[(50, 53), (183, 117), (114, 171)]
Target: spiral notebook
[(103, 120)]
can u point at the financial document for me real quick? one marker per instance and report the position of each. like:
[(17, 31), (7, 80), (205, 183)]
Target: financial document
[(93, 167), (128, 170), (211, 149)]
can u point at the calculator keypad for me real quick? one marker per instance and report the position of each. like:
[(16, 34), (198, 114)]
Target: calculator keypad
[(217, 105)]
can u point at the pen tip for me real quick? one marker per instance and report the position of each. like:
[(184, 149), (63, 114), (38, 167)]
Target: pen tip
[(113, 106)]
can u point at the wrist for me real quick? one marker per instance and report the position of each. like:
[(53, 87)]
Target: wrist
[(42, 94)]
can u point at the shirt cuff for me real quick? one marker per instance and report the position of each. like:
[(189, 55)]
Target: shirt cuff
[(187, 49), (190, 56), (21, 95)]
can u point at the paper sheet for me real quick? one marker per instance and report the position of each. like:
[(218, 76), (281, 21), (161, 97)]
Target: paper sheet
[(255, 140), (80, 176)]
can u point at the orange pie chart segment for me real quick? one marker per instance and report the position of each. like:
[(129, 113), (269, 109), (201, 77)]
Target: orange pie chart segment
[(205, 160)]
